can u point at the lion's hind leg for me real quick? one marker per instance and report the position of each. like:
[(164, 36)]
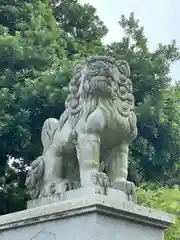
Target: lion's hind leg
[(53, 179), (53, 172)]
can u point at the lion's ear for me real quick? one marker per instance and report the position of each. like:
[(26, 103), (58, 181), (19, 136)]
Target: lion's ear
[(123, 67), (78, 65)]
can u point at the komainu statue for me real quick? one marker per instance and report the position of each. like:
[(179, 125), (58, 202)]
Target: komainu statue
[(90, 140)]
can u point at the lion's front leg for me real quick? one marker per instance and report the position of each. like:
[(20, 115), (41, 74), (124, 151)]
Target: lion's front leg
[(117, 168), (89, 153), (117, 163), (88, 149)]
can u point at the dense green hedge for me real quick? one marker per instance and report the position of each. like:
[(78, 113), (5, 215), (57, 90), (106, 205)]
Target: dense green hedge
[(165, 199)]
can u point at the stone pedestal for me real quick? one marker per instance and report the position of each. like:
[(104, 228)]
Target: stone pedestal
[(94, 217), (75, 194)]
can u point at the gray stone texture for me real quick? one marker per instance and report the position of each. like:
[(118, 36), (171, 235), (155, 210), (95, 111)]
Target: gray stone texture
[(96, 217)]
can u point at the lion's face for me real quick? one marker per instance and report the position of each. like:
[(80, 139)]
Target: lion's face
[(104, 77), (97, 77)]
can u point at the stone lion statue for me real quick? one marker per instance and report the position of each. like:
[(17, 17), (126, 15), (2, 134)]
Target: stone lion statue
[(93, 134)]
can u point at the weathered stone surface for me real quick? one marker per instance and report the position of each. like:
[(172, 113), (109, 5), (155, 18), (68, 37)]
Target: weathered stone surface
[(95, 217), (74, 194), (91, 136)]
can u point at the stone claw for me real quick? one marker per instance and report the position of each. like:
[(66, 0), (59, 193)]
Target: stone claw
[(56, 187), (128, 188), (100, 182)]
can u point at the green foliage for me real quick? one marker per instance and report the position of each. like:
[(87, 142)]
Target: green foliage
[(80, 21), (36, 41), (12, 194), (34, 69), (25, 56), (84, 30), (164, 199), (153, 156), (35, 64), (29, 41)]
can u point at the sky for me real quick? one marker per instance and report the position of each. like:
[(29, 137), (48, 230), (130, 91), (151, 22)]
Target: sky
[(160, 19)]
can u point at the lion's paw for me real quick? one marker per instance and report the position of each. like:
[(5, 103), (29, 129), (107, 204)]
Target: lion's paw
[(127, 187), (100, 182), (55, 187)]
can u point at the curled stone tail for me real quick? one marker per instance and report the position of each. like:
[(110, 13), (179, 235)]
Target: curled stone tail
[(48, 130)]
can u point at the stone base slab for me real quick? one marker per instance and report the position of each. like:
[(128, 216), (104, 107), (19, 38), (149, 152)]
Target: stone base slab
[(96, 217), (74, 194)]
